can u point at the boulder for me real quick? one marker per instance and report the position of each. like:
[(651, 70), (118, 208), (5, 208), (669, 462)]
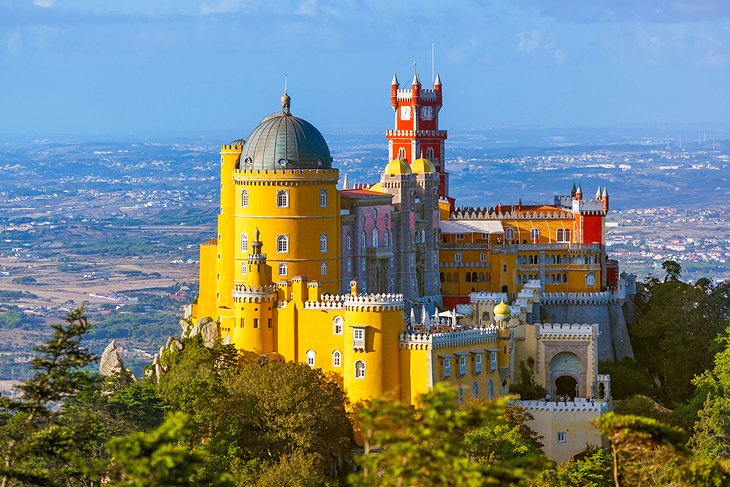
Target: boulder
[(210, 333), (111, 362)]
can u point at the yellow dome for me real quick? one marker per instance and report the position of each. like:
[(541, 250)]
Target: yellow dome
[(396, 166), (422, 166), (376, 187), (502, 311)]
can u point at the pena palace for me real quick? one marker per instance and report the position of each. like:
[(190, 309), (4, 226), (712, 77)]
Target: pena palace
[(392, 286)]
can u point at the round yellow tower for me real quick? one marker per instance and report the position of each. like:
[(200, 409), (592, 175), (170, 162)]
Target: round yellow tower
[(286, 187)]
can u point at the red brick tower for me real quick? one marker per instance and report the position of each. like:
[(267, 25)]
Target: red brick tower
[(416, 131)]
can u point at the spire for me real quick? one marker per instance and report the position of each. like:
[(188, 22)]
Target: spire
[(416, 78), (346, 182), (579, 190), (395, 80), (438, 80), (256, 244), (285, 103), (573, 189), (598, 192), (605, 191)]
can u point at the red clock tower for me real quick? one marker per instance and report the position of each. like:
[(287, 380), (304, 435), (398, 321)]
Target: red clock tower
[(417, 131)]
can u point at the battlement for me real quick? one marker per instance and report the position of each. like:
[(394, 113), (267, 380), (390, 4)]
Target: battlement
[(487, 297), (603, 378), (579, 405), (232, 148), (435, 341), (243, 293), (588, 207), (374, 302), (415, 133), (565, 330), (513, 213), (284, 174), (603, 297), (324, 305)]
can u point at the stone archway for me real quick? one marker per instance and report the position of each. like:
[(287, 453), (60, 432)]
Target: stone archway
[(566, 386)]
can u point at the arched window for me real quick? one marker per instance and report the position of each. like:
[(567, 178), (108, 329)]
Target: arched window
[(323, 198), (282, 198), (535, 234), (467, 277), (566, 235), (475, 389), (359, 369), (349, 265), (323, 268), (244, 198), (336, 358), (473, 277), (244, 242), (375, 238), (386, 238), (337, 325), (441, 277), (348, 241), (590, 279), (311, 357), (363, 240), (244, 268), (402, 154), (429, 153), (283, 269), (509, 234), (323, 242), (282, 243), (490, 389)]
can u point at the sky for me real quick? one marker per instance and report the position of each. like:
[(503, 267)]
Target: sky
[(146, 67)]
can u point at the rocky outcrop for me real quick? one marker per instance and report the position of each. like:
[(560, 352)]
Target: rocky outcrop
[(111, 362)]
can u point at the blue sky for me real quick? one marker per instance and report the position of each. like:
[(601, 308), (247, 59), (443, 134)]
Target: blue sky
[(216, 66)]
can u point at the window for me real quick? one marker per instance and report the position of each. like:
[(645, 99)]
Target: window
[(244, 268), (590, 279), (363, 265), (462, 365), (477, 363), (490, 389), (386, 238), (482, 257), (429, 153), (255, 322), (244, 198), (475, 389), (244, 242), (562, 436), (283, 269), (535, 234), (359, 369), (336, 358), (566, 235), (323, 198), (460, 394), (310, 357), (402, 150), (363, 240), (323, 242), (337, 323), (446, 365), (457, 257), (282, 198), (493, 361), (282, 244), (323, 268), (349, 265), (375, 238), (348, 242), (375, 213), (358, 338)]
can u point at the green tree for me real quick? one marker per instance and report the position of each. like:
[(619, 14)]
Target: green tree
[(40, 442), (160, 459), (526, 387), (673, 270), (441, 443), (592, 468)]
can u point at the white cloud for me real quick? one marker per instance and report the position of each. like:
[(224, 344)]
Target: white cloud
[(222, 7), (44, 3), (308, 8), (529, 41)]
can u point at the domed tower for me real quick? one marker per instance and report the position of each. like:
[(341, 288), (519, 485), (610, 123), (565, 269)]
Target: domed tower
[(253, 326), (286, 187), (502, 315)]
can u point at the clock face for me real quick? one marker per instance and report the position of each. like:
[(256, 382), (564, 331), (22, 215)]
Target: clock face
[(405, 113), (427, 113)]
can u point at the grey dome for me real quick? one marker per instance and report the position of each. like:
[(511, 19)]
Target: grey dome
[(283, 141)]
